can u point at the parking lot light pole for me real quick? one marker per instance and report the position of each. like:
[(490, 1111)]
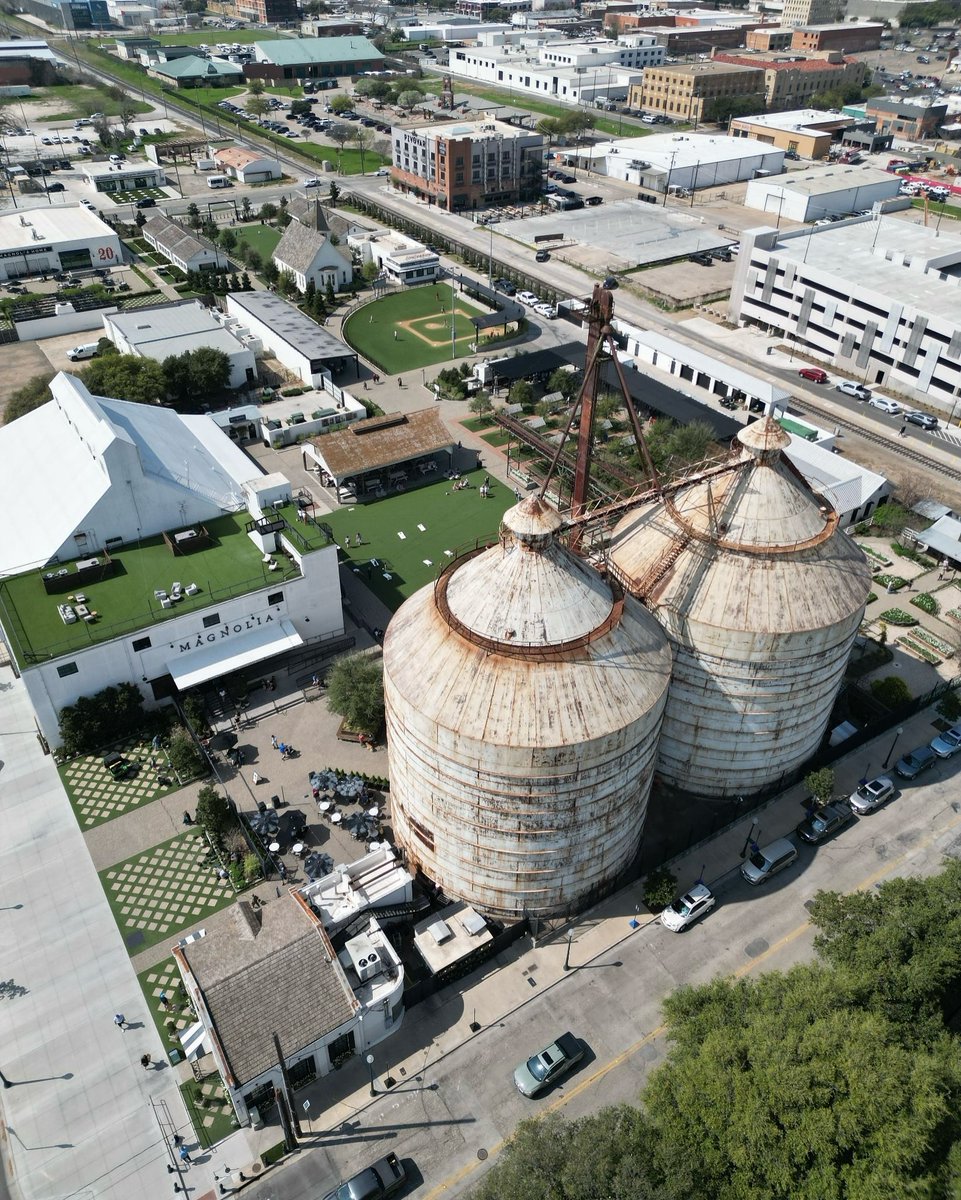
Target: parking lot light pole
[(897, 734)]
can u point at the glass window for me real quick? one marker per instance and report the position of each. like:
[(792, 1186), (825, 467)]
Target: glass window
[(140, 644), (66, 669), (211, 620)]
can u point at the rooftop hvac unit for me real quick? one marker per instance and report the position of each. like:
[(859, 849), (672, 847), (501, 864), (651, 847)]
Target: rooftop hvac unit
[(368, 966)]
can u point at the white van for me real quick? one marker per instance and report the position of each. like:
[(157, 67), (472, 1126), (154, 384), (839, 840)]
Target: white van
[(87, 350), (217, 181)]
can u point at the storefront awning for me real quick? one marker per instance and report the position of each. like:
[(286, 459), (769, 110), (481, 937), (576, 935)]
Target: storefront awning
[(230, 649)]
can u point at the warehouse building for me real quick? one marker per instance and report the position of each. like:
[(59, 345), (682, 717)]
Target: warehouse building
[(821, 191), (666, 161), (806, 131), (294, 339), (313, 58)]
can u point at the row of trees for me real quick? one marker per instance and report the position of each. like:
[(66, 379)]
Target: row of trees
[(185, 381), (837, 1080)]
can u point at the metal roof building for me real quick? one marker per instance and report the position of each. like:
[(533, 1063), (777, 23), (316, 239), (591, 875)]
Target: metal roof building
[(295, 339), (524, 697), (761, 595)]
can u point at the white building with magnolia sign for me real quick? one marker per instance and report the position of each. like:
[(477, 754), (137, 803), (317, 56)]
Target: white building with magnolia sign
[(69, 238), (169, 561)]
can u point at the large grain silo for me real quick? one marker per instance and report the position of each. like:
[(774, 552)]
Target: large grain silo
[(524, 696), (761, 595)]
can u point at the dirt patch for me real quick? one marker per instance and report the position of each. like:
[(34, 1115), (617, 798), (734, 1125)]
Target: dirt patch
[(21, 361)]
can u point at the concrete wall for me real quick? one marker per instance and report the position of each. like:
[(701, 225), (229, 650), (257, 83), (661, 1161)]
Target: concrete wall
[(73, 322)]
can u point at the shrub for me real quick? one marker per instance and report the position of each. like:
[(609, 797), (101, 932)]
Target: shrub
[(660, 888), (950, 706), (251, 867), (919, 649), (897, 616), (820, 784), (355, 689), (926, 603), (185, 757), (942, 647), (872, 596), (237, 877), (894, 582), (891, 691), (214, 814), (101, 720)]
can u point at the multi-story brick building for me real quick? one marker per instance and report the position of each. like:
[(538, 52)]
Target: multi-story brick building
[(769, 37), (792, 82), (849, 39), (813, 12), (466, 165), (696, 91), (913, 121)]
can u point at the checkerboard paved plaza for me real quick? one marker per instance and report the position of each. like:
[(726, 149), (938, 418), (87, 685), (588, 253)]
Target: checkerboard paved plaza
[(97, 797), (164, 891)]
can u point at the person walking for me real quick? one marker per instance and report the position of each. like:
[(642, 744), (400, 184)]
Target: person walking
[(188, 819), (165, 1001), (121, 1022), (273, 741), (145, 1061), (902, 431), (184, 1155)]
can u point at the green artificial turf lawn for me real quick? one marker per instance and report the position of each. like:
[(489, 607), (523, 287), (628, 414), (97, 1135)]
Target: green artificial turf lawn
[(262, 238), (425, 342), (126, 601), (452, 521)]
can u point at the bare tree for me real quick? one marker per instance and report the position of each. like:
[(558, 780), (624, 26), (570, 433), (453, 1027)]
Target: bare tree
[(362, 138)]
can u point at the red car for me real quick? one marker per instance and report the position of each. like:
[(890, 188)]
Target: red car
[(815, 374)]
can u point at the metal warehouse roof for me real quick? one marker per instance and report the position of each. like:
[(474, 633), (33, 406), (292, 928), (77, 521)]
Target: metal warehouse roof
[(381, 442), (289, 52)]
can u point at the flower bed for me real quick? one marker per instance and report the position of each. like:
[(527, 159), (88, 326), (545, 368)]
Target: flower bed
[(954, 614), (920, 650), (926, 603), (897, 616), (932, 639), (894, 582), (876, 555), (872, 596)]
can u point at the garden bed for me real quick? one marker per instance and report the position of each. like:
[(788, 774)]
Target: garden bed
[(926, 603), (897, 616), (876, 555), (919, 650), (892, 583)]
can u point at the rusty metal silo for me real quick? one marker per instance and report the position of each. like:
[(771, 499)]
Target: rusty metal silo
[(761, 595), (524, 696)]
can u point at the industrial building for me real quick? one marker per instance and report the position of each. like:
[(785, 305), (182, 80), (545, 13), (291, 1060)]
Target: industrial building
[(761, 595), (821, 191), (524, 696), (171, 329), (40, 240), (678, 160), (807, 132), (294, 339), (813, 12), (286, 59), (461, 166), (169, 559), (876, 297)]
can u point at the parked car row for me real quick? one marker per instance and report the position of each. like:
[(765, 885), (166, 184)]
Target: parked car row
[(821, 823), (847, 387)]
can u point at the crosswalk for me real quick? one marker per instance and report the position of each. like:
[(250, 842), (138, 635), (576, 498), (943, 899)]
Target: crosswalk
[(948, 435)]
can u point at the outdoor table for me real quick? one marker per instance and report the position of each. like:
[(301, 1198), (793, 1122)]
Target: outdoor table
[(373, 812), (274, 847), (336, 817), (298, 849), (325, 805)]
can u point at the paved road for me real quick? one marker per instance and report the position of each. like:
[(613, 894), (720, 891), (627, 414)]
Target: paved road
[(455, 1116)]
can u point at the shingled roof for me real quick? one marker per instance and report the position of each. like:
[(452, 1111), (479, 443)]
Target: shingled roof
[(274, 972), (172, 237), (299, 246)]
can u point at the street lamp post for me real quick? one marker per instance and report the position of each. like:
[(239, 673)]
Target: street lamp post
[(898, 733), (567, 952), (370, 1068)]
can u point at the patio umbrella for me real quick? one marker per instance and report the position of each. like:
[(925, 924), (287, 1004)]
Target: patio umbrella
[(293, 823), (265, 824), (351, 787), (317, 865)]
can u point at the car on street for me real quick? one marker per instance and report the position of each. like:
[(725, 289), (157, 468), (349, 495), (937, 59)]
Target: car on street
[(823, 822), (311, 181), (383, 1178), (88, 203), (910, 765), (146, 202), (947, 744), (915, 417), (546, 310), (849, 388), (688, 908), (871, 795), (815, 374), (767, 861), (884, 404), (542, 256), (610, 283), (528, 298), (549, 1065), (505, 286)]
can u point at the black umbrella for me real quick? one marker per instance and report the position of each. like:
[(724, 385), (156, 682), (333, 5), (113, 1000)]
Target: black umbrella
[(317, 865), (224, 740), (265, 824), (293, 823)]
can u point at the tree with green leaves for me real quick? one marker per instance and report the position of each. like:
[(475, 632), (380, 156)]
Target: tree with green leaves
[(185, 757), (227, 238), (340, 104), (820, 784), (355, 689), (256, 107), (193, 215), (334, 194), (34, 393), (330, 298), (481, 404), (522, 392), (213, 813), (255, 87), (892, 691), (126, 377), (245, 209), (270, 272), (268, 211), (566, 382), (409, 99), (245, 284)]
